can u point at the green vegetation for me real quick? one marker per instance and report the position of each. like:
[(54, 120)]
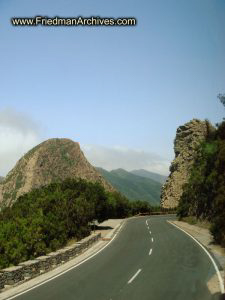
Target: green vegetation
[(30, 152), (151, 175), (8, 177), (194, 221), (13, 192), (45, 219), (133, 186), (204, 194), (65, 156), (19, 181)]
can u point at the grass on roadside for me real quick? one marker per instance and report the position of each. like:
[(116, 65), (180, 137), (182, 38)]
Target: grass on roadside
[(194, 221)]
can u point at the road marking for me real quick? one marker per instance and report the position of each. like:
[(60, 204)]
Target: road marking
[(135, 275), (150, 251), (209, 255), (150, 232), (69, 269), (152, 240), (146, 222), (148, 227)]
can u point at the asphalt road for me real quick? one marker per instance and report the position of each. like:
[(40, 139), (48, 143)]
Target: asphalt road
[(154, 261)]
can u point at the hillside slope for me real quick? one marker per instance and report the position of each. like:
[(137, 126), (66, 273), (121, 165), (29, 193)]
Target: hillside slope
[(53, 160), (154, 176), (134, 187)]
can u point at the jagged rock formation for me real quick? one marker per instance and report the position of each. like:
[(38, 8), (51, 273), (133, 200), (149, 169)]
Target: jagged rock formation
[(52, 160), (188, 138)]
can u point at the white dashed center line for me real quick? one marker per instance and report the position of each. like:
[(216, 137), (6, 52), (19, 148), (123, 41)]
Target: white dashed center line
[(150, 251), (152, 240), (135, 275)]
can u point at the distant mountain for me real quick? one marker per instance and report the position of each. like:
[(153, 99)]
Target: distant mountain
[(134, 187), (155, 176), (51, 161)]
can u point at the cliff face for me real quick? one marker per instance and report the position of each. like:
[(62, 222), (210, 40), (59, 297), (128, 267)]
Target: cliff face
[(52, 160), (188, 138)]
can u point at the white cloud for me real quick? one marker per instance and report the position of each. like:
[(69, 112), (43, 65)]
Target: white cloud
[(18, 134), (128, 159)]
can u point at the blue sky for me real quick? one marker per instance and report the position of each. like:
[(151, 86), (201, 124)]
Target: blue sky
[(118, 89)]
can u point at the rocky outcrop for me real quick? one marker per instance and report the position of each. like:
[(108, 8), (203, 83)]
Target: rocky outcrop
[(51, 161), (188, 138)]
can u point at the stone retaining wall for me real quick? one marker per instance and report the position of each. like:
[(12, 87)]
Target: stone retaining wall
[(32, 268)]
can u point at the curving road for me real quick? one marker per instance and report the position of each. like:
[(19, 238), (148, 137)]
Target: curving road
[(149, 259)]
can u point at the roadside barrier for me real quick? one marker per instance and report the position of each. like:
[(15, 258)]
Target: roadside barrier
[(42, 264)]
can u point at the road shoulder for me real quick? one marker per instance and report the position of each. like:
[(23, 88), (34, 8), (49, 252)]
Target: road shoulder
[(204, 236)]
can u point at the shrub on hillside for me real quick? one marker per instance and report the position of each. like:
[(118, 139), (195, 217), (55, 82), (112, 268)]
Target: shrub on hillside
[(44, 219), (204, 194)]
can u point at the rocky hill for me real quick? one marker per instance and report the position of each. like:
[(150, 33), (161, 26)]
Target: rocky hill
[(134, 187), (1, 178), (188, 138), (53, 160)]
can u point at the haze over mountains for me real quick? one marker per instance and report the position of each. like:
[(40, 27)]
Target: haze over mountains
[(155, 176), (133, 186)]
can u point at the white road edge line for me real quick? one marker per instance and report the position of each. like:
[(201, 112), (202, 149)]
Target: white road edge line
[(152, 240), (73, 267), (135, 275), (150, 251), (209, 255)]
